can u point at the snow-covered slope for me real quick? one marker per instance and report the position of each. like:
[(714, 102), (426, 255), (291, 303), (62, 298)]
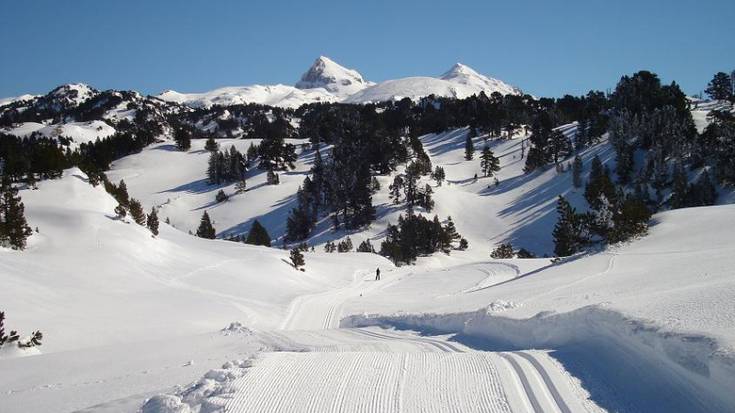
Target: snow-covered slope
[(327, 81), (337, 80), (85, 266), (272, 95), (6, 101), (78, 132), (458, 82)]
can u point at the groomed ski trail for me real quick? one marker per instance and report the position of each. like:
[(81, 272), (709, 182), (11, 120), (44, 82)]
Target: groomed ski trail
[(322, 368)]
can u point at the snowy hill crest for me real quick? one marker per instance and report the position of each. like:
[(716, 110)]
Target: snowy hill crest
[(326, 73)]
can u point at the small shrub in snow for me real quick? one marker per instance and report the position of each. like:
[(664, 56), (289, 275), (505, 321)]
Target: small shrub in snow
[(33, 340), (297, 259), (503, 251), (221, 196)]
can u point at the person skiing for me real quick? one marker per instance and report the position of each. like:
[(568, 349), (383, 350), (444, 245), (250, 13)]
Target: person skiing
[(377, 274)]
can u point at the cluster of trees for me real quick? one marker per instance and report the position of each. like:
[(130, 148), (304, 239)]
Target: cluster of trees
[(405, 187), (344, 245), (14, 337), (506, 250), (613, 215), (415, 235), (128, 205), (722, 86), (226, 166), (257, 235)]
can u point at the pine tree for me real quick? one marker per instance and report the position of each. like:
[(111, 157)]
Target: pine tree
[(469, 146), (503, 251), (221, 196), (121, 194), (488, 162), (366, 246), (152, 221), (211, 145), (13, 336), (258, 235), (720, 87), (568, 230), (396, 188), (297, 259), (577, 168), (560, 146), (439, 175), (679, 187), (183, 139), (14, 229), (120, 211), (206, 229), (136, 211)]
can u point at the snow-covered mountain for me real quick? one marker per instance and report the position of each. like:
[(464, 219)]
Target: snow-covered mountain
[(327, 81), (337, 80), (458, 82)]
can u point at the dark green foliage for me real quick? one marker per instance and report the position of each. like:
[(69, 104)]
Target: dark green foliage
[(258, 235), (14, 229), (463, 244), (503, 251), (524, 253), (539, 154), (469, 146), (366, 246), (488, 162), (577, 169), (720, 87), (221, 196), (439, 175), (211, 145), (226, 166), (14, 337), (206, 229), (120, 211), (415, 236), (599, 183), (182, 136), (297, 259), (569, 230), (345, 245), (330, 247), (152, 221), (136, 211)]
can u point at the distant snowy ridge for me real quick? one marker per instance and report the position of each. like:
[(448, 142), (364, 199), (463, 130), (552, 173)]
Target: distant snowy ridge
[(327, 81)]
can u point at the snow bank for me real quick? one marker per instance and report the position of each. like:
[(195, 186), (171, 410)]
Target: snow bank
[(694, 367), (205, 396)]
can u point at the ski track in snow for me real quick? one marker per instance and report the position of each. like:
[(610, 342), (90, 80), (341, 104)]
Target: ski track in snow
[(321, 368)]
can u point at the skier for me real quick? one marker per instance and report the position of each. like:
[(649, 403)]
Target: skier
[(377, 274)]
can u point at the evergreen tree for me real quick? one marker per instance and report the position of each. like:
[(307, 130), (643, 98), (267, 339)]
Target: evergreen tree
[(136, 211), (211, 145), (439, 175), (488, 162), (503, 251), (560, 146), (221, 196), (258, 235), (14, 229), (297, 259), (568, 230), (183, 139), (679, 187), (396, 188), (120, 211), (152, 221), (121, 194), (206, 229), (366, 246), (469, 146), (577, 168), (720, 87)]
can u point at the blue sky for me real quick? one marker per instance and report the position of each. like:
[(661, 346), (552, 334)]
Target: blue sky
[(547, 48)]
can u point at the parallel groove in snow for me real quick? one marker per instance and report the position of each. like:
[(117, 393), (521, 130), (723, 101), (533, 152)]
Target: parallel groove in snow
[(370, 382)]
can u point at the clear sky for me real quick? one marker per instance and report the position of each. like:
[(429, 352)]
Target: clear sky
[(545, 47)]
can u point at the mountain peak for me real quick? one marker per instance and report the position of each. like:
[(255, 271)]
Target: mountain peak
[(459, 69), (327, 74)]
